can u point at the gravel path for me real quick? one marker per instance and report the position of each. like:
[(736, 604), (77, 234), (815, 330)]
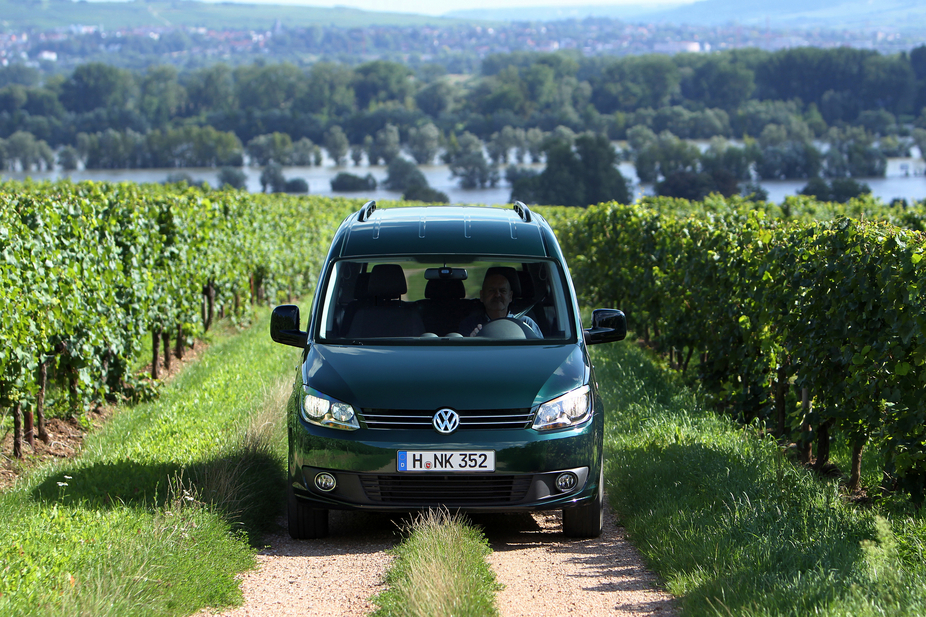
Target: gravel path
[(544, 574), (331, 577)]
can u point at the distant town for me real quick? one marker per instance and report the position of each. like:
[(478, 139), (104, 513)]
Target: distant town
[(66, 47)]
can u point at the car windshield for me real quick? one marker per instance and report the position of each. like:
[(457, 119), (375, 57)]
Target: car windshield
[(470, 301)]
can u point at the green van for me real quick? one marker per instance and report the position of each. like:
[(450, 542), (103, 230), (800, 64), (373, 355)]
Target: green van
[(419, 388)]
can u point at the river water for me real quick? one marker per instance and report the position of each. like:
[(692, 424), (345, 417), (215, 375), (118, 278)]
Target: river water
[(906, 178)]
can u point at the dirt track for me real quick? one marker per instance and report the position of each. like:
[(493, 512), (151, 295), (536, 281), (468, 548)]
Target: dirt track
[(544, 574)]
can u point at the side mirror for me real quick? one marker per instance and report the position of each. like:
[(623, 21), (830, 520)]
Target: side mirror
[(608, 325), (284, 326)]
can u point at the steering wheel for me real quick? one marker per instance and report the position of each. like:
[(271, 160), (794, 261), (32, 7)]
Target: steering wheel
[(506, 328)]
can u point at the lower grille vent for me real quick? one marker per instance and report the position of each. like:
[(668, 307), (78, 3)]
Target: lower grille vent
[(447, 490)]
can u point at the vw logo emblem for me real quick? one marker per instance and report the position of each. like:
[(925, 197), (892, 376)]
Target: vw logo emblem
[(446, 421)]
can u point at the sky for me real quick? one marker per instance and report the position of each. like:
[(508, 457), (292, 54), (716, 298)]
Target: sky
[(439, 7)]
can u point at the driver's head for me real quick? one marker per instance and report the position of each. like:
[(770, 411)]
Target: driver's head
[(496, 295)]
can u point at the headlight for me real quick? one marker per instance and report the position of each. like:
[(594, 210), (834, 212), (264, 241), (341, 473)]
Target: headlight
[(571, 409), (323, 410)]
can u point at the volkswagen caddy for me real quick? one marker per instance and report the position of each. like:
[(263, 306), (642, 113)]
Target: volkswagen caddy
[(400, 403)]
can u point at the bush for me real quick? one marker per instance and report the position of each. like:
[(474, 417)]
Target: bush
[(402, 174), (297, 185), (347, 183), (697, 186), (233, 177), (418, 192), (840, 189), (180, 176)]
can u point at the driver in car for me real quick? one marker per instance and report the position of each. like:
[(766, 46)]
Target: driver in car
[(495, 295)]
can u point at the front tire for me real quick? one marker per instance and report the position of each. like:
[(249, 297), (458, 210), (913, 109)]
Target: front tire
[(305, 523), (586, 521)]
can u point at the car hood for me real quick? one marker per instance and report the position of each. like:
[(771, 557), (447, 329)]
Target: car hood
[(470, 377)]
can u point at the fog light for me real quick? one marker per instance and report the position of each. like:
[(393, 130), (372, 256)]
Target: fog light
[(566, 482), (325, 482)]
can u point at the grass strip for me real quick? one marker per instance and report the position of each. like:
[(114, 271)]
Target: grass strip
[(156, 515), (730, 524), (439, 571)]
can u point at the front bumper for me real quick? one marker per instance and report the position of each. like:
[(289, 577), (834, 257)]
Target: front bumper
[(364, 465)]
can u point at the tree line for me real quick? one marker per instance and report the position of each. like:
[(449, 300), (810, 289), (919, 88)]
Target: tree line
[(862, 105)]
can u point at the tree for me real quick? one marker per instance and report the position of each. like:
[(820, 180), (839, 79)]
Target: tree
[(210, 89), (424, 143), (17, 73), (468, 163), (22, 147), (12, 98), (385, 146), (303, 153), (272, 180), (232, 177), (436, 98), (273, 147), (356, 153), (268, 87), (718, 82), (632, 82), (919, 138), (95, 85), (853, 152), (534, 139), (401, 174), (336, 144), (329, 92), (380, 81), (580, 177), (654, 155), (161, 95), (68, 158), (503, 142), (720, 155)]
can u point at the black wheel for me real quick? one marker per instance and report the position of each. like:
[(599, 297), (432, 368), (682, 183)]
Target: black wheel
[(586, 521), (305, 523)]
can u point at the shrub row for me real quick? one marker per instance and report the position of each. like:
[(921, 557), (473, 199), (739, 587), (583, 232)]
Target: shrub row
[(87, 270), (827, 304)]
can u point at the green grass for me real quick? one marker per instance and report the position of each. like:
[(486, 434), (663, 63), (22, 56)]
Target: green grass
[(439, 571), (160, 510), (730, 524)]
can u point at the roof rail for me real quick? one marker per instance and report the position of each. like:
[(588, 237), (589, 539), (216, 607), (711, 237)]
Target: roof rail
[(366, 210), (523, 211)]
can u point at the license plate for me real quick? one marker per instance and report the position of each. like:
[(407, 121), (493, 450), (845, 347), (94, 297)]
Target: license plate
[(431, 460)]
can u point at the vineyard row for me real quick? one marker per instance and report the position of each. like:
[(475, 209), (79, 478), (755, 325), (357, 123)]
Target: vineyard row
[(88, 270), (760, 301)]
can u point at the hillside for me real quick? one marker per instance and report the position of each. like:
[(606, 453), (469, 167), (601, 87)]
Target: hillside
[(49, 14), (802, 14)]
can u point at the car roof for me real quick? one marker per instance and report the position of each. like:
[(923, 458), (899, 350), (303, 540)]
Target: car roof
[(444, 230)]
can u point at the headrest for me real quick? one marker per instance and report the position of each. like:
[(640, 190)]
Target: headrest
[(527, 284), (509, 273), (445, 289), (387, 281)]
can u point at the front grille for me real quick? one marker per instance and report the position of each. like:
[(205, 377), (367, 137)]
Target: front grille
[(446, 490), (469, 419)]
